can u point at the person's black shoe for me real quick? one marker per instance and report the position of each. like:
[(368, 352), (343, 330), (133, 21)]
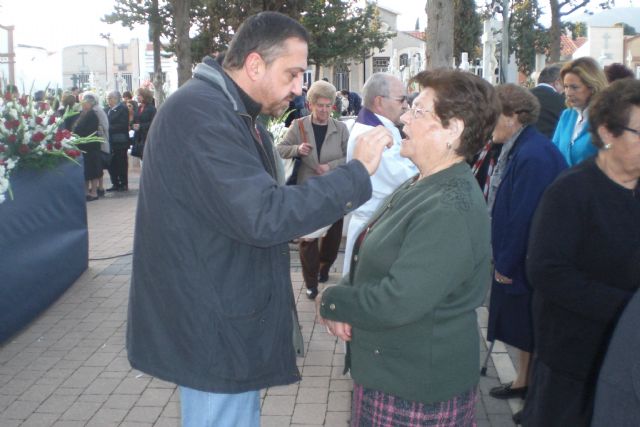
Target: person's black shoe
[(113, 188), (100, 192), (312, 293), (90, 198), (123, 188), (505, 391), (323, 277), (517, 417)]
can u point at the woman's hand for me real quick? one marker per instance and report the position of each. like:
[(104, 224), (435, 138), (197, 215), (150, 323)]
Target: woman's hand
[(502, 279), (322, 169), (304, 149), (337, 329)]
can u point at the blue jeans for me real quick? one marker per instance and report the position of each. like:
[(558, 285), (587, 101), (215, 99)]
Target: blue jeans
[(203, 409)]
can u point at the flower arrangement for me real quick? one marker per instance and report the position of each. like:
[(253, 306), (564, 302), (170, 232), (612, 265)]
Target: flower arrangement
[(31, 137)]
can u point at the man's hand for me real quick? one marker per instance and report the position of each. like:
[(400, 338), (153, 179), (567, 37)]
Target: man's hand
[(369, 147), (304, 149)]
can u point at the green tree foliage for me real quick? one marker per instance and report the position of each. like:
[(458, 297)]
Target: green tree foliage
[(341, 31), (467, 29), (628, 30), (577, 29), (528, 37)]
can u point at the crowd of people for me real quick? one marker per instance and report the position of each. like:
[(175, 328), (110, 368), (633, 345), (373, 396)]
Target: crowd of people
[(120, 123), (459, 189)]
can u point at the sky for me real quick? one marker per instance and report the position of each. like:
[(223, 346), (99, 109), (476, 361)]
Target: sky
[(51, 25)]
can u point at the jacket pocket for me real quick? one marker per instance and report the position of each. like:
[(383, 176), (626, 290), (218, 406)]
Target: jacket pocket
[(246, 343)]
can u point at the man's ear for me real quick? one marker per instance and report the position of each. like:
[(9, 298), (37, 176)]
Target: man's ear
[(254, 66)]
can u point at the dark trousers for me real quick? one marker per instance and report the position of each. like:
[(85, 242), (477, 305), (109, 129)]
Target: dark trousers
[(118, 169), (318, 257)]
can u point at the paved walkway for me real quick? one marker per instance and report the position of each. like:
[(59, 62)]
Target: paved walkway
[(69, 366)]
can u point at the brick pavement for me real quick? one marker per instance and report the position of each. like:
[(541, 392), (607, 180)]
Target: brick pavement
[(69, 366)]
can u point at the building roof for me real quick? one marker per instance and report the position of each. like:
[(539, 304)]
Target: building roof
[(420, 35), (568, 46)]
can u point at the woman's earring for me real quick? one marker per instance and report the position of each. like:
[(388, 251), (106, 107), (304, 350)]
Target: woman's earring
[(607, 146), (449, 145)]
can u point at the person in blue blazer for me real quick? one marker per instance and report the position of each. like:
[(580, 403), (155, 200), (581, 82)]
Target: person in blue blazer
[(582, 78), (528, 163)]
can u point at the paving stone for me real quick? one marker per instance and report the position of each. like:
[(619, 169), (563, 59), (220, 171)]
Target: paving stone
[(308, 381), (133, 385), (341, 385), (278, 405), (319, 358), (312, 395), (80, 411), (143, 414), (20, 409), (169, 422), (274, 421), (154, 397), (339, 401), (309, 413), (337, 419), (82, 377), (56, 403), (38, 392), (102, 386), (121, 401), (285, 390), (39, 419)]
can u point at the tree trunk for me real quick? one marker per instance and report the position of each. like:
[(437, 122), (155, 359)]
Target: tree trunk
[(183, 42), (318, 66), (439, 33), (155, 27), (554, 32)]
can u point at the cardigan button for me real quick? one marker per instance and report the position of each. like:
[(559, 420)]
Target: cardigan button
[(376, 352), (332, 307), (355, 258), (349, 205)]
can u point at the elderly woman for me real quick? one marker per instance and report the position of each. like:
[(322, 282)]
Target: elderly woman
[(528, 163), (143, 116), (582, 78), (421, 268), (87, 124), (321, 143), (584, 262)]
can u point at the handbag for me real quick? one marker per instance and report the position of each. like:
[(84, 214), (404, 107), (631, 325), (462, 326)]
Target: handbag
[(294, 163), (137, 149)]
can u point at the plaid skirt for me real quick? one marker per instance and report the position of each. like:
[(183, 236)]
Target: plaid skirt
[(373, 408)]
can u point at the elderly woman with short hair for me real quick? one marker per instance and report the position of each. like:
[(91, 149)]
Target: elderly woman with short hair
[(143, 116), (584, 264), (421, 268), (582, 78), (87, 124), (320, 142), (528, 163)]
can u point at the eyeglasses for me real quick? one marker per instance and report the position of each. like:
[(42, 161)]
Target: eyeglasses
[(400, 99), (418, 113), (636, 132)]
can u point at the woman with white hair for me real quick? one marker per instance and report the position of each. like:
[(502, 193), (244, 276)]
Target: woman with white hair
[(86, 125)]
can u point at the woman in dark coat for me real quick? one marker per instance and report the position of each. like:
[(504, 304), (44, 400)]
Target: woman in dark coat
[(86, 125), (528, 163), (584, 261), (144, 116)]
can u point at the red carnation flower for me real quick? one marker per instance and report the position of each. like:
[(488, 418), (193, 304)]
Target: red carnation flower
[(23, 101), (58, 136), (24, 149), (39, 120), (8, 96), (57, 145), (43, 106), (2, 148), (66, 133), (37, 137), (11, 124), (49, 146), (52, 120), (11, 139)]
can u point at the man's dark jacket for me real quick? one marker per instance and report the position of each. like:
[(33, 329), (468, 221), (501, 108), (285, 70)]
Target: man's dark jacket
[(211, 299), (118, 126), (551, 106)]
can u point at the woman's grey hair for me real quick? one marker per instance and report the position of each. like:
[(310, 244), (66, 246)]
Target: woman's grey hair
[(115, 95), (377, 85), (90, 98), (321, 89)]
